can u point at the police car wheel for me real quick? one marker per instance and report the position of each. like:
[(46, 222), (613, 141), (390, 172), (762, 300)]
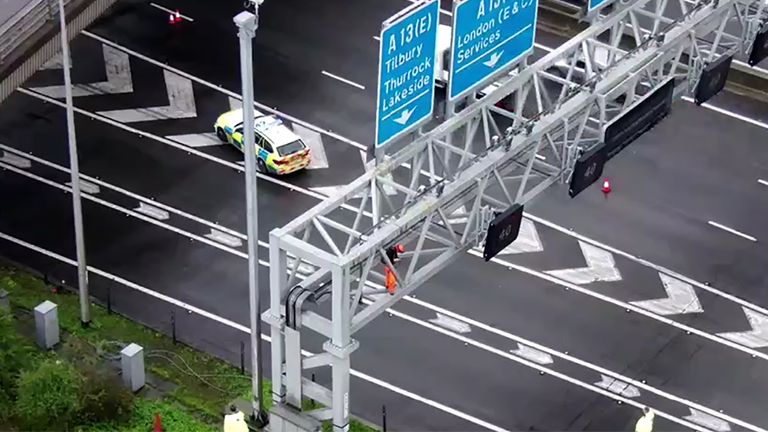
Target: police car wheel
[(261, 166), (220, 133)]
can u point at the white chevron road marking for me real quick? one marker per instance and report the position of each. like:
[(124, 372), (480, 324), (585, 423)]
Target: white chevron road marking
[(118, 67), (755, 338), (181, 104), (681, 298), (600, 267)]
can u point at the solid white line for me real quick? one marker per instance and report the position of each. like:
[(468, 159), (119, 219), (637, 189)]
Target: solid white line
[(165, 9), (179, 146), (344, 80), (126, 192), (534, 365), (476, 59), (626, 306), (705, 105), (244, 329), (647, 263), (438, 310), (201, 81), (361, 147), (762, 182), (129, 212), (732, 231), (741, 117), (575, 360)]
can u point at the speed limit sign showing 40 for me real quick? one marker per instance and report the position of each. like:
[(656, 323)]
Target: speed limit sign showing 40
[(502, 231)]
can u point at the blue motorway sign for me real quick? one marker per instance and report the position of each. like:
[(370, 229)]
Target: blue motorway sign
[(595, 4), (488, 36), (406, 70)]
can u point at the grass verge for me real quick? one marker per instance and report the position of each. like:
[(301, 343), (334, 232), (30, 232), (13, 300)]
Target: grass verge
[(200, 385)]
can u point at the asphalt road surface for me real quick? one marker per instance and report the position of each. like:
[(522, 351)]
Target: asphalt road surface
[(449, 358)]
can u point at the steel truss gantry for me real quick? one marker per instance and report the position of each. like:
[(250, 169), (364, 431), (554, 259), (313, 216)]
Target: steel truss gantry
[(437, 194)]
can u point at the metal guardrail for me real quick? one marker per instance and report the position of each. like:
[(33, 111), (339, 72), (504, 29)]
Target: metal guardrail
[(35, 28), (30, 19)]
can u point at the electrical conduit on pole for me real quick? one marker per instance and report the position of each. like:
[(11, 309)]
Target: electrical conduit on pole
[(77, 209), (247, 24)]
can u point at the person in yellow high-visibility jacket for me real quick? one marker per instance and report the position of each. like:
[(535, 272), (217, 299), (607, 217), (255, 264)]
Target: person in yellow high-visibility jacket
[(645, 423), (235, 420)]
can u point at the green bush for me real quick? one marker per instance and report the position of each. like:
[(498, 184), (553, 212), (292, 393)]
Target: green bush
[(14, 355), (103, 399), (48, 396)]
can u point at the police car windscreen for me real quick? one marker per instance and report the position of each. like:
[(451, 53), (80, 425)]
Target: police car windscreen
[(290, 148)]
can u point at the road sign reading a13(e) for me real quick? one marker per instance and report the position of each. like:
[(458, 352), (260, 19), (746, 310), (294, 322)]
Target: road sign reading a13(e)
[(488, 36), (406, 70)]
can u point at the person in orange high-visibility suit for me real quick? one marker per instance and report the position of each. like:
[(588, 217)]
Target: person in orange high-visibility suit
[(390, 280)]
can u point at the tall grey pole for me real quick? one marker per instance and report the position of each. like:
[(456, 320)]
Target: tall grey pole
[(247, 24), (77, 209)]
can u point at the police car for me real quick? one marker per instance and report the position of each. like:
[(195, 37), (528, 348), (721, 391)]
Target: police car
[(278, 149)]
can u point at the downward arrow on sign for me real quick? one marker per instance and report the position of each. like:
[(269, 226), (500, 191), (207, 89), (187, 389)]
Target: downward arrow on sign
[(491, 62), (404, 116), (600, 267), (681, 298)]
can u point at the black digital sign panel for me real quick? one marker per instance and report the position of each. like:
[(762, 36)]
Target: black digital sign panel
[(502, 231), (624, 129), (713, 79), (759, 48), (588, 168)]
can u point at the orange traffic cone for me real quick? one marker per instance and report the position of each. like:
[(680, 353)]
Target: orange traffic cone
[(606, 186), (158, 423)]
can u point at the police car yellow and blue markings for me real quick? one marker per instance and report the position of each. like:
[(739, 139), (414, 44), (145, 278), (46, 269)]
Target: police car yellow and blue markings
[(267, 126)]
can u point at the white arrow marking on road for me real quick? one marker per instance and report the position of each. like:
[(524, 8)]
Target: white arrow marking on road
[(404, 116), (197, 140), (87, 187), (708, 421), (458, 216), (681, 298), (15, 160), (315, 143), (304, 268), (527, 241), (451, 324), (224, 238), (532, 354), (181, 103), (600, 267), (56, 62), (152, 211), (755, 338), (235, 103), (331, 190), (118, 68), (618, 387), (491, 63)]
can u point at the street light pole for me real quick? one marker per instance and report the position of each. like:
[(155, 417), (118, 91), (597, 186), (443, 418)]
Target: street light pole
[(77, 209), (247, 24)]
